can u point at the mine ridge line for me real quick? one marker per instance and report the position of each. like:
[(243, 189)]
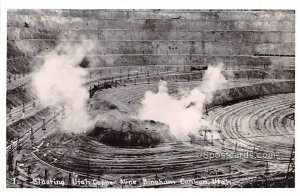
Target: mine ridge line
[(160, 18), (153, 40), (159, 30)]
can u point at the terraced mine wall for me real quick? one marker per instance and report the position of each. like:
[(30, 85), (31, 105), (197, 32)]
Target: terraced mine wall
[(238, 38), (237, 94), (17, 96), (19, 128)]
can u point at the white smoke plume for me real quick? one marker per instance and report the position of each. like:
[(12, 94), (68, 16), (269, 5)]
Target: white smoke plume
[(183, 115), (59, 82)]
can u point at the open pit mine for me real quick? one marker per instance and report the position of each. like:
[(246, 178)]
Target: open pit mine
[(150, 98)]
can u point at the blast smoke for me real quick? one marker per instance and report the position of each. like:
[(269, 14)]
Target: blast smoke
[(59, 82), (183, 115)]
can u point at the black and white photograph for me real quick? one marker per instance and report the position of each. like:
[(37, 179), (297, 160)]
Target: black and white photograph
[(150, 98)]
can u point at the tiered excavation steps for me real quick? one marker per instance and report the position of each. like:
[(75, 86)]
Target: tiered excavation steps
[(130, 41), (145, 38), (258, 123), (137, 48)]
